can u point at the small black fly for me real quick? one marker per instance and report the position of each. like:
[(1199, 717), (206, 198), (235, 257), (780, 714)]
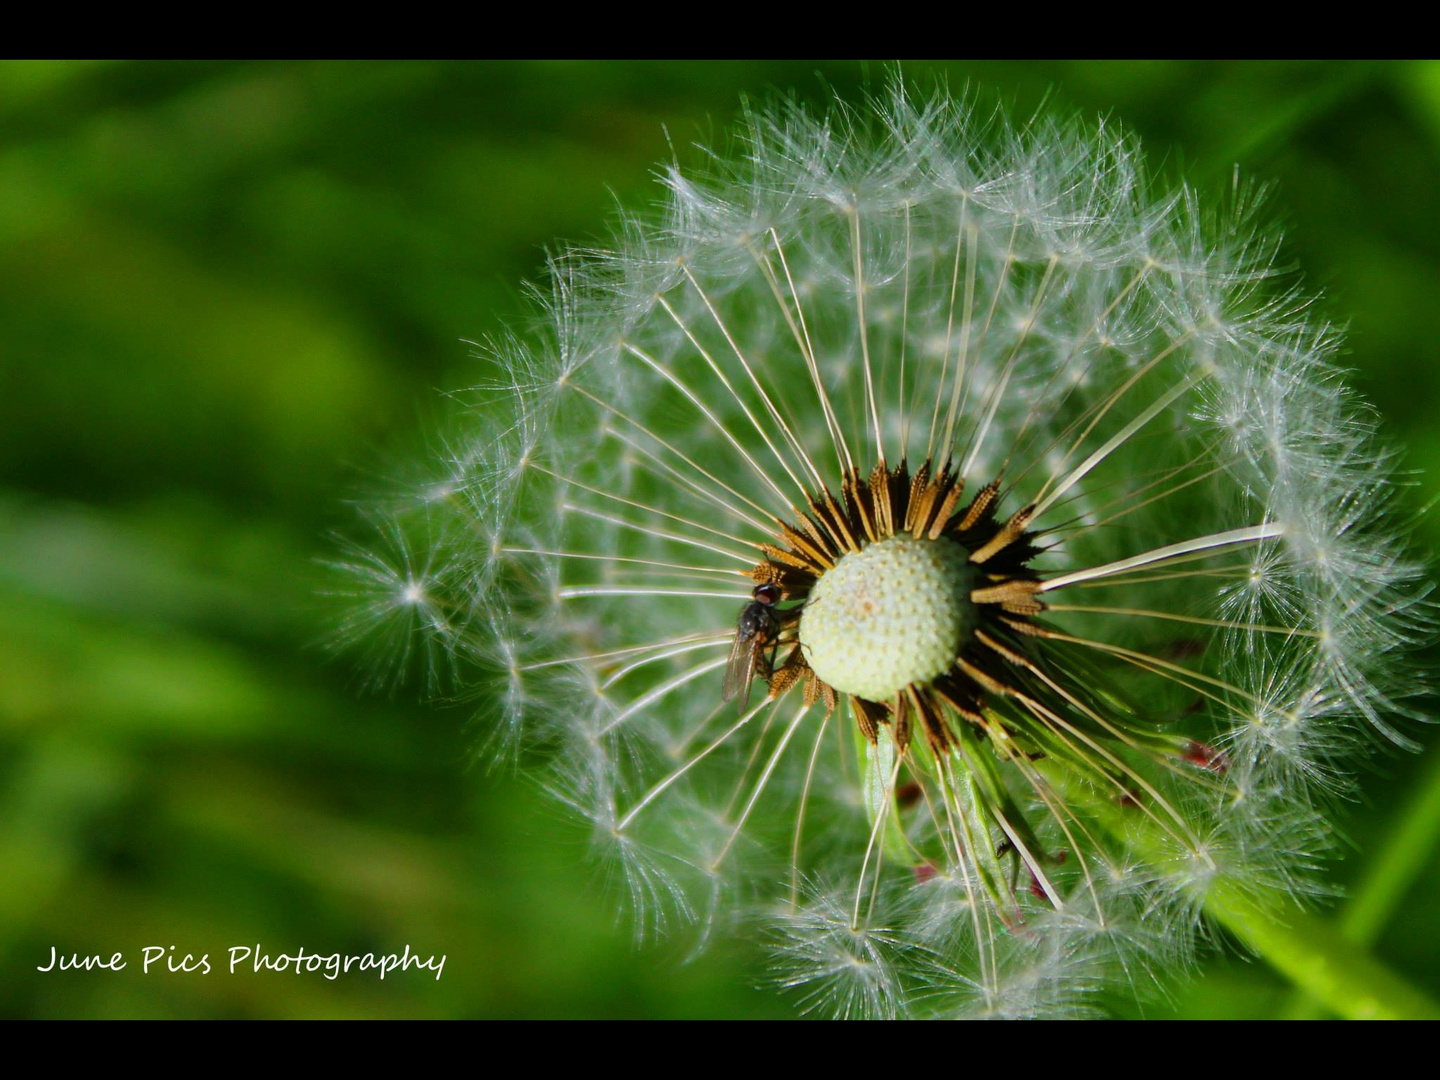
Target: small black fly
[(757, 631)]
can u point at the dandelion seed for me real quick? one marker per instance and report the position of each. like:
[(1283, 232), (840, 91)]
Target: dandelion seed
[(399, 588), (922, 505)]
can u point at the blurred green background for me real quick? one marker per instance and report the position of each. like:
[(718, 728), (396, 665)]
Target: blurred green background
[(227, 289)]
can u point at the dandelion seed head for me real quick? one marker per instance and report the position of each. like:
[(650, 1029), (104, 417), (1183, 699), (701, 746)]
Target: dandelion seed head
[(923, 536)]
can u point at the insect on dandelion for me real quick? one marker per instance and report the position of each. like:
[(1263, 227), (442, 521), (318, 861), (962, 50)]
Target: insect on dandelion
[(923, 539)]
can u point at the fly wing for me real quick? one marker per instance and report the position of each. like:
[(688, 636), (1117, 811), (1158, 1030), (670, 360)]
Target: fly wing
[(740, 669)]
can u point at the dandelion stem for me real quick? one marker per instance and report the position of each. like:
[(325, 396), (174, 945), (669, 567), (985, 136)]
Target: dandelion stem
[(1310, 951), (1390, 874), (1407, 849), (1313, 954)]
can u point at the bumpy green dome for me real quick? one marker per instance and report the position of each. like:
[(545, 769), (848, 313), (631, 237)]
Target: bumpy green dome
[(895, 613)]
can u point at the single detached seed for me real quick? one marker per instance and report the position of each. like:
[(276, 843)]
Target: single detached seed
[(895, 613)]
